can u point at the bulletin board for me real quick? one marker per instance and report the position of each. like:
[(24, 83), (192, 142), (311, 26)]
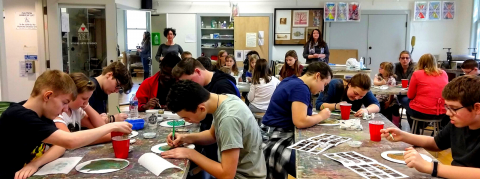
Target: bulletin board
[(293, 26)]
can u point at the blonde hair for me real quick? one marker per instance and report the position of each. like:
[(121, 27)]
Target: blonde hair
[(252, 57), (56, 81), (234, 66), (427, 63), (226, 70), (83, 83), (219, 61), (388, 67)]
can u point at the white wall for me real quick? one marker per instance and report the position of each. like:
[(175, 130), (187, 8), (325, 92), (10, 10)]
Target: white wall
[(134, 4), (431, 36), (18, 88), (121, 29), (3, 61), (184, 24)]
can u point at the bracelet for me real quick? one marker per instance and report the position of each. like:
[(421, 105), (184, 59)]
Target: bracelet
[(335, 108), (435, 168)]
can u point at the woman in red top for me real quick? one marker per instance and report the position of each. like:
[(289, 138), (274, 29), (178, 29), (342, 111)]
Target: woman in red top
[(291, 66), (154, 90), (425, 91)]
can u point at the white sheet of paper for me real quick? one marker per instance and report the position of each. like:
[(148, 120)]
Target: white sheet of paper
[(260, 42), (285, 25), (239, 56), (155, 164), (251, 40), (190, 38), (65, 22), (61, 165)]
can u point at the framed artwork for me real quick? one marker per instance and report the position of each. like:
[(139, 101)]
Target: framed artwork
[(448, 10), (283, 21), (330, 11), (434, 8), (300, 18), (292, 25), (420, 13), (342, 10), (353, 11)]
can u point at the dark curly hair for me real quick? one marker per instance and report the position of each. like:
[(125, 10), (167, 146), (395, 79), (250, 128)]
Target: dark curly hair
[(186, 95), (166, 30), (463, 89), (170, 60)]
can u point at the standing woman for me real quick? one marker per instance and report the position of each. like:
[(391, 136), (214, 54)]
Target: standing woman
[(145, 54), (316, 49), (222, 54), (168, 46)]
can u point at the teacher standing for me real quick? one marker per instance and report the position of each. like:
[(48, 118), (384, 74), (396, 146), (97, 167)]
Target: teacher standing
[(144, 52), (169, 46), (316, 49)]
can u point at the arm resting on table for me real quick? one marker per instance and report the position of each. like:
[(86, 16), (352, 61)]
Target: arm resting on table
[(77, 139), (300, 118), (447, 171)]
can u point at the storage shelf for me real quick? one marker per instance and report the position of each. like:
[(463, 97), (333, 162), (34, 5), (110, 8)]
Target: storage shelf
[(214, 29), (217, 39), (218, 48)]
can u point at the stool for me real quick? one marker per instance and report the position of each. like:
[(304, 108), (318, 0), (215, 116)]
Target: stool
[(436, 125), (258, 117)]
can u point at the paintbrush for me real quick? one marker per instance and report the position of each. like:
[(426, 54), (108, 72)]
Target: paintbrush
[(391, 136)]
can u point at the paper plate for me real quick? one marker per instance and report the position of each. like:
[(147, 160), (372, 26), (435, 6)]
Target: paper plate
[(386, 157), (164, 124), (80, 167), (329, 124), (133, 134), (156, 149)]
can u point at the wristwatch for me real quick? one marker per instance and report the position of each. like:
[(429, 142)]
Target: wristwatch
[(435, 167)]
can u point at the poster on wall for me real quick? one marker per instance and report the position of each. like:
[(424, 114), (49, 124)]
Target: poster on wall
[(353, 11), (420, 13), (234, 12), (283, 21), (434, 10), (25, 21), (300, 18), (448, 10), (251, 40), (341, 12), (282, 36), (317, 18), (298, 33), (239, 55), (330, 11)]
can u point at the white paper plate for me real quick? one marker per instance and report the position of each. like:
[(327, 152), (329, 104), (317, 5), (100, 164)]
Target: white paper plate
[(80, 166), (133, 134), (164, 124), (158, 151), (384, 155)]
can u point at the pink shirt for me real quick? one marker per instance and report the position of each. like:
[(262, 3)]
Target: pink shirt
[(425, 92)]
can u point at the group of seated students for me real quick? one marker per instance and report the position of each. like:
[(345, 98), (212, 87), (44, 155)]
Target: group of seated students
[(233, 145)]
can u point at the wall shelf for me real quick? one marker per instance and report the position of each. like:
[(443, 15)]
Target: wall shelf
[(225, 48), (217, 39), (214, 29)]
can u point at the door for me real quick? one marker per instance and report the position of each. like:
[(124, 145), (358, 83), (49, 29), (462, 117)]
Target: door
[(83, 35), (159, 22), (387, 35), (349, 35), (250, 25)]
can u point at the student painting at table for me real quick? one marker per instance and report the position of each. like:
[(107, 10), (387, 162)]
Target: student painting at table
[(113, 78), (470, 67), (52, 92), (154, 90), (355, 91), (222, 55), (234, 130), (316, 49), (461, 135), (425, 91), (291, 66), (185, 55), (388, 103), (290, 107), (262, 88), (206, 62), (214, 81)]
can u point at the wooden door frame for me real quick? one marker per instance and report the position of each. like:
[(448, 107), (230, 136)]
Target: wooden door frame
[(270, 27)]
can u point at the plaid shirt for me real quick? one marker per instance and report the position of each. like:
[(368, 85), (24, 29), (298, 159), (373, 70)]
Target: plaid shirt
[(277, 155)]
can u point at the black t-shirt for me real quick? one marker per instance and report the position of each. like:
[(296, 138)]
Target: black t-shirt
[(99, 98), (221, 84), (465, 144), (24, 132), (162, 92)]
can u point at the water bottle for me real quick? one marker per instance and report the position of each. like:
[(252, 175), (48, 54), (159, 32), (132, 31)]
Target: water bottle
[(203, 26), (133, 113), (361, 62)]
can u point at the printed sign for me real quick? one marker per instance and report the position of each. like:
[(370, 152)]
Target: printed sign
[(25, 21)]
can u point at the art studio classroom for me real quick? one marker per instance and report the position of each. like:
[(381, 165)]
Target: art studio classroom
[(264, 89)]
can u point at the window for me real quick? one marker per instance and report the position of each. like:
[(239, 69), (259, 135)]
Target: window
[(136, 26), (476, 26)]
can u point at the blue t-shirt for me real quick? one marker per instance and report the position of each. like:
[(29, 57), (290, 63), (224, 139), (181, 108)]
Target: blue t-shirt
[(279, 111), (335, 93)]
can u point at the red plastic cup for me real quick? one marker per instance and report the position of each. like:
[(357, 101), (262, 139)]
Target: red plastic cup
[(404, 83), (113, 134), (375, 127), (121, 146), (345, 109)]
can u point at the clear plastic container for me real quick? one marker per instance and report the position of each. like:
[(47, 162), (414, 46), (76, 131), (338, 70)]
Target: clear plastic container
[(133, 112)]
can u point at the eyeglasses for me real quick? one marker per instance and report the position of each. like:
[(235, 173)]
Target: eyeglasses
[(118, 84), (467, 72), (452, 110), (405, 58)]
